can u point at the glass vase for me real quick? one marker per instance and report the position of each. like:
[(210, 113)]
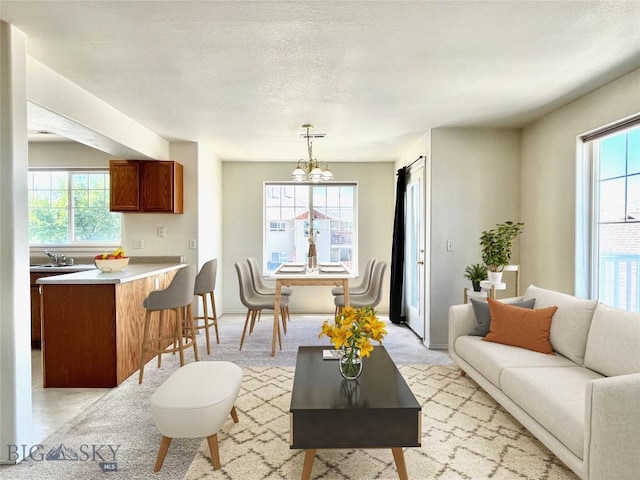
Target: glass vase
[(350, 363)]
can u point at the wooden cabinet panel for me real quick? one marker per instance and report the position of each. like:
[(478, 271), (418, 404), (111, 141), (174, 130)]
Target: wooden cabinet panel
[(147, 186), (36, 317), (125, 185), (93, 337), (79, 336), (161, 187)]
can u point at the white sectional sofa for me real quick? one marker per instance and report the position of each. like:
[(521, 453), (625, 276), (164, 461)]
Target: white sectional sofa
[(583, 401)]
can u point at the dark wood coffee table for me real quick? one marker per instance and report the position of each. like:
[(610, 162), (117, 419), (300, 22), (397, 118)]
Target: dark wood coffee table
[(378, 410)]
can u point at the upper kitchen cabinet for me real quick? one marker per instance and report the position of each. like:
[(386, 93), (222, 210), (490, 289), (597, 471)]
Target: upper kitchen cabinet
[(148, 186)]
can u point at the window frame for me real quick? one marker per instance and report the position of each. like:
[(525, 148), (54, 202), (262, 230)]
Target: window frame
[(70, 244), (588, 219)]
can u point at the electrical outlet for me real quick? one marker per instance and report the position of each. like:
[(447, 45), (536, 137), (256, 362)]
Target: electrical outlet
[(161, 231), (192, 243), (139, 243), (450, 246)]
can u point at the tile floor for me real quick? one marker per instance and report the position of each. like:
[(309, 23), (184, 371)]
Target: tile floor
[(53, 407)]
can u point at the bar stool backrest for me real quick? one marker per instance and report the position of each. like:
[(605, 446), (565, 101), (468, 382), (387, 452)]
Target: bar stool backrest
[(206, 279), (178, 294)]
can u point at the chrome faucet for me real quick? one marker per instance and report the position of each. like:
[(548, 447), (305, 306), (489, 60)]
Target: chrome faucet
[(58, 258)]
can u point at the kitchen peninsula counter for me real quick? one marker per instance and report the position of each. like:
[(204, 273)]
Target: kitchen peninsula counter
[(132, 272), (92, 323)]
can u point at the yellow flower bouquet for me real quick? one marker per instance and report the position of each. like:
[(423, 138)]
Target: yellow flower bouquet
[(352, 332)]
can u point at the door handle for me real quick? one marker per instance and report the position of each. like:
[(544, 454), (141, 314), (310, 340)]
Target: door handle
[(420, 263)]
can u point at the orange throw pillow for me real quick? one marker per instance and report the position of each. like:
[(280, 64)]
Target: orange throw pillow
[(520, 327)]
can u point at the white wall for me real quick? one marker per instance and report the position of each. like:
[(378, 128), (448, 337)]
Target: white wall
[(179, 228), (59, 105), (209, 214), (242, 223), (475, 184), (15, 325), (548, 178), (66, 155)]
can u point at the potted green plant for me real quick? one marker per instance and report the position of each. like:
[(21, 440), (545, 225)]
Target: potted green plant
[(476, 273), (496, 247)]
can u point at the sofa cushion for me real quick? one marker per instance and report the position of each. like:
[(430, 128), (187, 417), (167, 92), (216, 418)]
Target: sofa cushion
[(491, 358), (613, 347), (570, 325), (520, 327), (554, 397), (483, 316)]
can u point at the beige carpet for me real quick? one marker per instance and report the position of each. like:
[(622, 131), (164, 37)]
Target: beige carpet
[(465, 435)]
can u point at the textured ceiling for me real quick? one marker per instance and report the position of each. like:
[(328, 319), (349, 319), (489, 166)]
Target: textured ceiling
[(374, 76)]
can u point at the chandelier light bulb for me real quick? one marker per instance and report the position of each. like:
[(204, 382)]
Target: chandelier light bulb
[(309, 170)]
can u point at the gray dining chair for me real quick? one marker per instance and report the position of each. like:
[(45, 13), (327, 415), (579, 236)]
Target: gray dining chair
[(177, 297), (361, 287), (371, 297), (261, 288), (255, 302)]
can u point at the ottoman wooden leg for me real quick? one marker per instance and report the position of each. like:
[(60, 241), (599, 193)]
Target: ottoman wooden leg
[(164, 446), (212, 440), (234, 415)]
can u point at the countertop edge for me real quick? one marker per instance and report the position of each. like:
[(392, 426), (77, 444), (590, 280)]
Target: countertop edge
[(95, 277)]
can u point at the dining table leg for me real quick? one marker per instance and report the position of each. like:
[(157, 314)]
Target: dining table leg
[(345, 291), (276, 312)]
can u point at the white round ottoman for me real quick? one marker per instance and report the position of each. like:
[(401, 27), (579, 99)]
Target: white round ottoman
[(195, 401)]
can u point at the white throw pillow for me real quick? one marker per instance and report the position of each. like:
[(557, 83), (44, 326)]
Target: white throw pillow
[(613, 347), (571, 322)]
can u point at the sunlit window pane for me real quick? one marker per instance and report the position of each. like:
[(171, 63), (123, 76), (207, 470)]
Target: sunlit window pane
[(633, 157), (71, 207), (613, 151), (617, 226), (633, 198)]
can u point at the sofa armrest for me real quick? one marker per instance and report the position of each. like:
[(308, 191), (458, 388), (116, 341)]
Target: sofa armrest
[(462, 321), (612, 427)]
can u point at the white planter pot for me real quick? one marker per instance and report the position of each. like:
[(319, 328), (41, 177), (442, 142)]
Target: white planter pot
[(495, 277)]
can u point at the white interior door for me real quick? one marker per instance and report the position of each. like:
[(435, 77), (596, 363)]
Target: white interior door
[(414, 268)]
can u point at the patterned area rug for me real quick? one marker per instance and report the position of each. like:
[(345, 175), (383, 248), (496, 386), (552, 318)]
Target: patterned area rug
[(466, 435)]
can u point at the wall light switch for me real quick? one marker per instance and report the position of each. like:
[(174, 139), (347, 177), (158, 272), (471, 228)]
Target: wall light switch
[(139, 243), (450, 246), (192, 243), (161, 231)]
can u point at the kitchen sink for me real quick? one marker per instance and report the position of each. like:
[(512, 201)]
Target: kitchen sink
[(53, 266)]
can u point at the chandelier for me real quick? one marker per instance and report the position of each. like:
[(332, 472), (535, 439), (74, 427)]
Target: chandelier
[(309, 170)]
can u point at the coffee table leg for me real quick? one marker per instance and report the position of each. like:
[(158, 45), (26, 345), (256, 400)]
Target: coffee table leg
[(309, 457), (398, 457)]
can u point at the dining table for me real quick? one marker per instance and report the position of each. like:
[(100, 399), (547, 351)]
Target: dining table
[(333, 274)]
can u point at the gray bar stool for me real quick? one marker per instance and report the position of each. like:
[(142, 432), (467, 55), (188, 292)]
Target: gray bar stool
[(177, 296), (205, 285)]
